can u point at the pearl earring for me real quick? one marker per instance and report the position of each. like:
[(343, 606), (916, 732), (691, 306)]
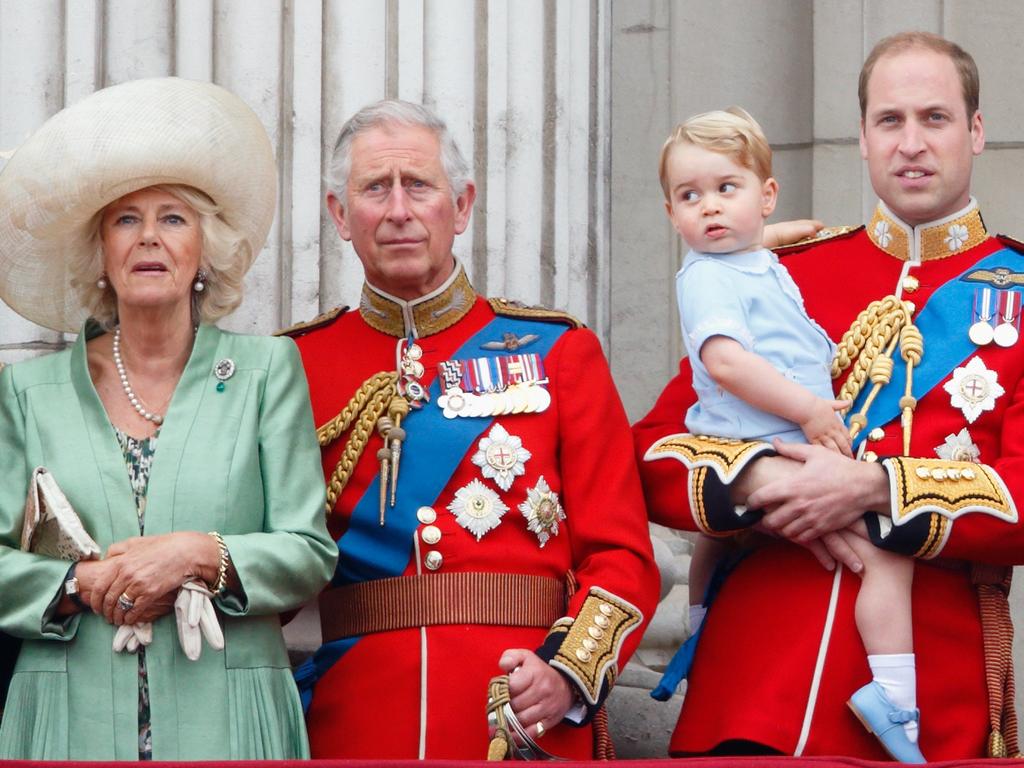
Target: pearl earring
[(200, 284), (102, 283)]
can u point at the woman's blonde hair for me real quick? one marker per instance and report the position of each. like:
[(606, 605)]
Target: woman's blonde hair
[(226, 257), (731, 132)]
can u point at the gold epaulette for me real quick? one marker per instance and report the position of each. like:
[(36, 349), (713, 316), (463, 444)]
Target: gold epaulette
[(512, 308), (317, 322), (822, 236), (589, 654), (944, 490)]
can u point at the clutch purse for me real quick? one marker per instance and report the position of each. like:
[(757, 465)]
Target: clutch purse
[(52, 527)]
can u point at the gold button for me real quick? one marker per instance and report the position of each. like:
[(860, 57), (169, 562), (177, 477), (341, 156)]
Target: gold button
[(923, 473), (967, 474), (590, 644), (605, 609), (602, 621), (583, 655), (911, 283), (939, 474), (431, 534), (426, 515), (876, 434), (870, 456), (433, 560), (595, 632)]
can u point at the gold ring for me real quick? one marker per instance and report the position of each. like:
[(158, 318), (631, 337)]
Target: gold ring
[(540, 729), (125, 602)]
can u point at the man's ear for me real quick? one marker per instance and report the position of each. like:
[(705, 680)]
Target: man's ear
[(977, 133), (337, 211), (464, 207), (769, 196)]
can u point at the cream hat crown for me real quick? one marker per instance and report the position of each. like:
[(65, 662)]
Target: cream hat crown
[(113, 142)]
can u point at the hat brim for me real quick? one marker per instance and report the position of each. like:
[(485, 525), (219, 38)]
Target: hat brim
[(114, 142)]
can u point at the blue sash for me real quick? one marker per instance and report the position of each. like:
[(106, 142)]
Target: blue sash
[(943, 323), (433, 449)]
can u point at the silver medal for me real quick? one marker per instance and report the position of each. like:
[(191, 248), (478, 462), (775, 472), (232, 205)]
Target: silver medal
[(1005, 335), (981, 333)]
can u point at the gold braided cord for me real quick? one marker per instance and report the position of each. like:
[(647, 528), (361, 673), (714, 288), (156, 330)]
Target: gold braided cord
[(369, 403), (498, 696), (329, 432), (869, 346)]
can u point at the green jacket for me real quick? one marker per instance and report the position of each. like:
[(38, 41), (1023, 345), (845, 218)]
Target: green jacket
[(243, 461)]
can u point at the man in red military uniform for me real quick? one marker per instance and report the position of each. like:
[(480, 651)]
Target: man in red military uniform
[(481, 482), (941, 458)]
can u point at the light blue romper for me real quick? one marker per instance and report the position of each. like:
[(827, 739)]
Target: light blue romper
[(751, 298)]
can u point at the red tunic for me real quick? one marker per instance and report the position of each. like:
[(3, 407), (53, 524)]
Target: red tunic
[(421, 692), (754, 676)]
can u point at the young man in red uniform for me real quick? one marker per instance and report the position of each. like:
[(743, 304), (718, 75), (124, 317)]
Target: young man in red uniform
[(938, 416), (481, 482)]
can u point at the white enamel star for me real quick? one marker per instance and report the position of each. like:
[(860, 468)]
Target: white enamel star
[(477, 508), (973, 389), (542, 511), (501, 457), (959, 447)]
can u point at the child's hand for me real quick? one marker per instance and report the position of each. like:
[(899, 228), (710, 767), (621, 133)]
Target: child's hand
[(821, 427)]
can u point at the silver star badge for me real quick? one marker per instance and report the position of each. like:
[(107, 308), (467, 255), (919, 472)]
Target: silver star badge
[(542, 510), (477, 508), (973, 389), (501, 457), (959, 447)]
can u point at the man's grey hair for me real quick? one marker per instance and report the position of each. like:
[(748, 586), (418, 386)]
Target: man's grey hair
[(391, 112)]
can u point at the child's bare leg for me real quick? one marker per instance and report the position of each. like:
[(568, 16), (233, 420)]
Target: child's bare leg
[(707, 551), (883, 615), (883, 609)]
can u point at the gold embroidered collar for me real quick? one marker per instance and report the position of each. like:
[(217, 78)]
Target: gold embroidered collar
[(420, 317), (934, 240)]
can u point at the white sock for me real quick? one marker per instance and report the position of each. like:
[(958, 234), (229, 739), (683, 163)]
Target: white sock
[(697, 614), (896, 673)]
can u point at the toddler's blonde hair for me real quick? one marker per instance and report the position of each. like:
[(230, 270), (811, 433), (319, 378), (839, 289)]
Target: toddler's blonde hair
[(731, 132)]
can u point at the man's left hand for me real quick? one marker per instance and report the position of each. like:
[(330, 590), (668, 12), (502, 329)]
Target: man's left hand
[(539, 692), (828, 493)]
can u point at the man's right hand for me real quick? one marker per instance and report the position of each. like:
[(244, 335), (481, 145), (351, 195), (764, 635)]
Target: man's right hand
[(775, 473), (789, 232), (826, 493)]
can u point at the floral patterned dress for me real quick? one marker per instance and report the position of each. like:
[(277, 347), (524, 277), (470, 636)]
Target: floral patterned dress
[(138, 457)]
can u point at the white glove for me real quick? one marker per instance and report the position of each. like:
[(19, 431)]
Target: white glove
[(196, 619), (130, 637)]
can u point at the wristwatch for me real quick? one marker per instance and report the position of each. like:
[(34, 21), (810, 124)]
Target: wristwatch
[(72, 591)]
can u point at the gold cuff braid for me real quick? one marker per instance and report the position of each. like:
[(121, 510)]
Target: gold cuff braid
[(726, 457), (945, 490), (590, 651)]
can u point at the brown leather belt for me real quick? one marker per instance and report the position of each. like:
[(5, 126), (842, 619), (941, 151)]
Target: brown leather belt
[(498, 599)]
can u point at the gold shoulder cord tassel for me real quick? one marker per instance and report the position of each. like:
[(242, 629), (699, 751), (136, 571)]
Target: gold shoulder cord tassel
[(364, 410), (871, 341)]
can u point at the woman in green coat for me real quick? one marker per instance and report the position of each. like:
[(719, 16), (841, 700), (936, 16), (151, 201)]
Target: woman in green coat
[(188, 453)]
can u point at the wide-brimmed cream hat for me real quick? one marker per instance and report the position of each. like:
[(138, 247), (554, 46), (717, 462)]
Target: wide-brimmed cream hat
[(113, 142)]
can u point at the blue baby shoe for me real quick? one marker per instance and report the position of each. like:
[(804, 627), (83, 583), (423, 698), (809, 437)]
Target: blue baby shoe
[(872, 707)]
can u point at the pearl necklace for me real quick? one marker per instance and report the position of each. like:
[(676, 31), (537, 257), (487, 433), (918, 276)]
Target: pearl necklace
[(156, 418)]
